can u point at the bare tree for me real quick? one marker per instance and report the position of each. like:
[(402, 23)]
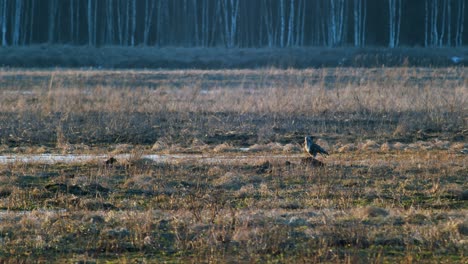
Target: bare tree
[(442, 26), (360, 14), (205, 22), (133, 22), (3, 22), (268, 22), (317, 31), (426, 23), (282, 23), (301, 23), (90, 23), (196, 23), (95, 24), (291, 24), (449, 22), (217, 21), (127, 23), (210, 17), (17, 26), (438, 23), (110, 22), (159, 22), (394, 22), (53, 9), (149, 11), (31, 20), (336, 22), (460, 22), (119, 21), (434, 20), (72, 20), (231, 13), (77, 21)]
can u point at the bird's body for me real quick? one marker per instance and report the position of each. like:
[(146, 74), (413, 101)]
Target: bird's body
[(313, 149)]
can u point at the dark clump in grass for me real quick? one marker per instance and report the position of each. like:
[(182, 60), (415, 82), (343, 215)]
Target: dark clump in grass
[(373, 211), (463, 228)]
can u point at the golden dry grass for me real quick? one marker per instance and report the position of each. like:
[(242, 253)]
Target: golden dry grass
[(236, 107), (393, 189)]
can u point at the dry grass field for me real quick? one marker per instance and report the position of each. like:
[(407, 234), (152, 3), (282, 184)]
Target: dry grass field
[(236, 189)]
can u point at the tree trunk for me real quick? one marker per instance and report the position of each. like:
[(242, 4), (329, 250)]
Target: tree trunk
[(159, 23), (332, 25), (282, 23), (217, 22), (127, 23), (336, 22), (291, 24), (2, 19), (195, 23), (394, 22), (301, 37), (4, 23), (398, 26), (110, 22), (449, 23), (90, 23), (442, 27), (435, 34), (17, 26), (363, 25), (95, 23), (31, 21), (133, 21), (231, 12), (205, 32), (77, 22), (234, 17), (426, 23), (356, 23), (460, 23), (148, 21), (119, 22), (72, 26), (52, 20), (325, 25), (267, 19), (359, 22)]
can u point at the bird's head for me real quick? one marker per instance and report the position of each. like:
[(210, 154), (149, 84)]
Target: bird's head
[(309, 138)]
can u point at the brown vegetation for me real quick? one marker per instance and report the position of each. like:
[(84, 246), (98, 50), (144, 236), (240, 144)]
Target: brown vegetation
[(240, 107), (392, 190)]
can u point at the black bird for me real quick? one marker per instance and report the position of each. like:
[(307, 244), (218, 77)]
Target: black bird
[(312, 148)]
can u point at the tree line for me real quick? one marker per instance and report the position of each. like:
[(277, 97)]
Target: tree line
[(234, 23)]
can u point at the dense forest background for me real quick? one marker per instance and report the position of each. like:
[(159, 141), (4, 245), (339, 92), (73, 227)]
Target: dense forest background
[(234, 23)]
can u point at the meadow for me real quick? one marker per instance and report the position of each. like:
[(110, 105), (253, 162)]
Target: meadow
[(237, 186)]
